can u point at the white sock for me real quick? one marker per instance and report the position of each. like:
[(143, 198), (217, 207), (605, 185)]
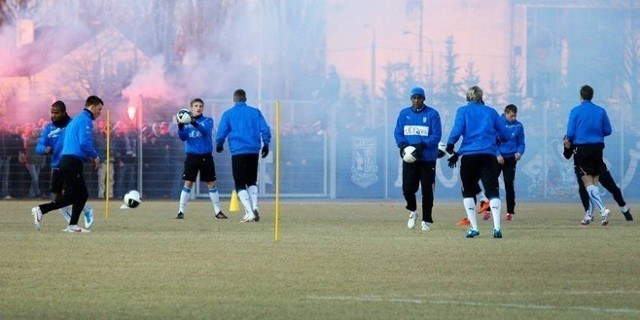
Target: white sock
[(253, 195), (470, 208), (243, 195), (496, 205), (215, 199), (624, 209), (592, 190), (66, 213), (184, 198), (590, 209)]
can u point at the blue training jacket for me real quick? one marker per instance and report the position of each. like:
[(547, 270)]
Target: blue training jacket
[(246, 127), (480, 126), (198, 139), (415, 127), (509, 148), (78, 137), (53, 136), (588, 123)]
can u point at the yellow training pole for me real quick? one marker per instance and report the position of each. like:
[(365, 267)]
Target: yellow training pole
[(276, 179), (107, 163)]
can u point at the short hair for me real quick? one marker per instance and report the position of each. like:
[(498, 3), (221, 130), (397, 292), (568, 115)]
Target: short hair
[(60, 105), (196, 100), (474, 94), (511, 108), (586, 92), (93, 100), (239, 95)]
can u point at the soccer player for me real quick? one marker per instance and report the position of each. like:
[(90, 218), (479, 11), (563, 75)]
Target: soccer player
[(50, 142), (419, 126), (587, 126), (77, 148), (478, 125), (509, 153), (247, 131), (606, 180), (198, 145)]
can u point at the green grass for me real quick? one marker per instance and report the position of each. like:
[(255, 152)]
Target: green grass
[(333, 261)]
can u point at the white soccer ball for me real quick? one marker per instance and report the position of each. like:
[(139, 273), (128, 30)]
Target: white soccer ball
[(132, 199), (408, 156), (184, 116), (442, 149)]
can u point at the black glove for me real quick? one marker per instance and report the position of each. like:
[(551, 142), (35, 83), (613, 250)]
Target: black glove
[(265, 150), (219, 148), (180, 126), (567, 153), (449, 149), (453, 160), (420, 147)]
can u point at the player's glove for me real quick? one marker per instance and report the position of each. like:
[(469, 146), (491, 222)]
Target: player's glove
[(453, 160), (180, 126), (265, 150), (219, 148), (419, 147), (449, 148), (568, 152)]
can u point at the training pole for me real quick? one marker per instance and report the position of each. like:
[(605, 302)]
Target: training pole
[(107, 163), (276, 179)]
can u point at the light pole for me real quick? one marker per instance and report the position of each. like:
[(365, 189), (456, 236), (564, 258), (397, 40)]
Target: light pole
[(372, 84), (420, 50)]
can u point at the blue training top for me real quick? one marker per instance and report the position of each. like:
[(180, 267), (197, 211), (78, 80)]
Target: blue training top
[(509, 148), (246, 127), (480, 125), (53, 136), (588, 123), (419, 126), (78, 137), (198, 139)]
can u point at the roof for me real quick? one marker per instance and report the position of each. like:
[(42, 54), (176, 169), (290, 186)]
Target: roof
[(50, 44)]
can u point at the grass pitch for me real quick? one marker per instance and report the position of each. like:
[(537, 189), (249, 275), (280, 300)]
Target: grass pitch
[(334, 260)]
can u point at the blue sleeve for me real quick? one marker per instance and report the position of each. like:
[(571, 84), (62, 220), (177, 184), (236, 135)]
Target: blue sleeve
[(43, 140), (458, 127), (398, 133), (521, 143), (205, 127), (571, 130), (606, 126), (223, 129), (86, 139), (265, 130), (436, 131)]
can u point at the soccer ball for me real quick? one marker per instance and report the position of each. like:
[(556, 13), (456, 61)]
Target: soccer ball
[(442, 149), (184, 116), (132, 199), (407, 155)]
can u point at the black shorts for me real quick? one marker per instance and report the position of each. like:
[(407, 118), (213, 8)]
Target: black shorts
[(588, 159), (479, 167), (245, 170), (202, 163), (56, 181)]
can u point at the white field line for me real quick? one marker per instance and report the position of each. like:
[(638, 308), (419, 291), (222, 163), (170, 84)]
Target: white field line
[(475, 304)]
